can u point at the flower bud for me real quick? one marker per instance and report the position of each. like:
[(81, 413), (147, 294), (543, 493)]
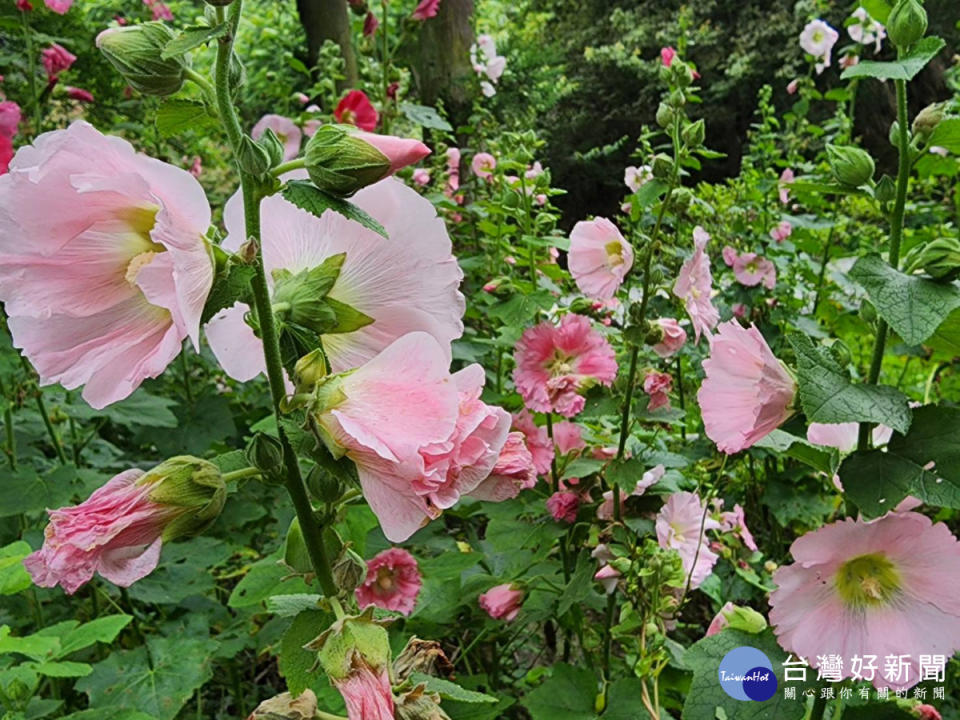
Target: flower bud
[(868, 313), (295, 553), (309, 370), (323, 485), (665, 115), (744, 618), (940, 259), (190, 483), (662, 166), (349, 571), (850, 165), (886, 189), (906, 23), (354, 646), (927, 119), (695, 133), (682, 73), (285, 706), (135, 52), (253, 158), (272, 146), (265, 453)]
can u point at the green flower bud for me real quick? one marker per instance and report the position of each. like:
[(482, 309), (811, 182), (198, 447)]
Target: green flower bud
[(665, 115), (906, 23), (868, 313), (295, 553), (694, 134), (662, 166), (273, 147), (350, 642), (682, 73), (265, 453), (940, 259), (323, 485), (309, 370), (189, 483), (349, 571), (886, 189), (253, 158), (840, 353), (850, 165), (893, 136), (135, 50), (340, 163), (927, 119), (745, 619)]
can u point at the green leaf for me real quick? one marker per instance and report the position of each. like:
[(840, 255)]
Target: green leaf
[(14, 577), (25, 491), (877, 711), (63, 668), (231, 284), (450, 691), (190, 38), (828, 396), (947, 135), (822, 459), (295, 662), (924, 463), (424, 116), (292, 605), (103, 629), (879, 10), (347, 319), (265, 578), (905, 68), (184, 571), (176, 115), (126, 680), (522, 308), (624, 700), (108, 714), (569, 693), (706, 697), (913, 306), (580, 586), (310, 198), (36, 647)]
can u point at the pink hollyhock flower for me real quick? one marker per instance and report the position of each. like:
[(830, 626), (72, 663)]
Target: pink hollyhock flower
[(392, 583), (938, 150), (647, 480), (608, 576), (421, 177), (843, 436), (56, 59), (453, 160), (406, 283), (537, 440), (366, 693), (58, 6), (6, 154), (605, 508), (540, 199), (657, 385), (667, 55), (568, 437), (747, 393), (720, 620), (502, 602), (355, 109), (782, 231), (729, 255), (735, 521), (513, 472), (865, 30), (818, 39), (483, 165), (160, 11), (555, 363), (681, 525), (284, 128), (563, 506), (926, 712), (196, 166), (117, 270), (849, 60), (674, 337), (534, 171), (400, 151), (75, 93), (599, 258), (24, 6), (9, 118), (886, 587), (693, 286), (370, 24), (750, 270), (792, 86), (786, 177), (635, 177), (426, 9), (486, 61)]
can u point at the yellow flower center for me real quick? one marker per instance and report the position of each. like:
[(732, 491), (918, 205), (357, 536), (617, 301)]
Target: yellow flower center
[(614, 253), (867, 581), (385, 579)]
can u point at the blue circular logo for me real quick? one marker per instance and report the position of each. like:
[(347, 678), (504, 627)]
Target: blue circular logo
[(746, 674)]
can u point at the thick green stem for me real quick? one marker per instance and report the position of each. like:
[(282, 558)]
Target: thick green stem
[(294, 164), (819, 707), (240, 474), (821, 276), (312, 532), (896, 235)]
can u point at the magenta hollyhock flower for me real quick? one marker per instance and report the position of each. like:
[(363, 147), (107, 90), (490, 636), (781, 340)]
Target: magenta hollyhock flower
[(366, 693), (843, 436), (116, 532), (56, 59), (599, 258), (483, 165), (25, 5), (563, 506), (284, 128), (406, 283), (6, 154), (735, 521), (674, 337), (370, 24), (681, 525), (694, 286), (667, 55), (426, 9), (657, 385), (9, 118), (356, 109), (885, 587), (537, 440), (568, 437), (160, 11), (117, 269), (751, 270), (502, 602), (393, 582), (75, 93), (513, 472), (58, 6), (747, 393), (555, 363), (421, 177)]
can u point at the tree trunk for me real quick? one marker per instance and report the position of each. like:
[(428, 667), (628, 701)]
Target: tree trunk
[(442, 67), (328, 20)]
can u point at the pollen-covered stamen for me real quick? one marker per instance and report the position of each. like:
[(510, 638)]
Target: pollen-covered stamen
[(867, 580)]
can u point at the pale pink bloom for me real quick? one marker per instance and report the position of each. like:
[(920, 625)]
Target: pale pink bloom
[(311, 126), (392, 583), (735, 521), (284, 128), (657, 385), (356, 109), (608, 576), (537, 440), (751, 270), (605, 508), (555, 363), (694, 286), (843, 436), (196, 166), (729, 255), (849, 60), (421, 176), (886, 587), (483, 165), (568, 437), (540, 199), (648, 479), (818, 39), (792, 86), (116, 532), (56, 59), (486, 61), (681, 525), (674, 337), (405, 283), (599, 258), (866, 30), (786, 177), (426, 9), (400, 151), (58, 6), (366, 693), (667, 55), (502, 602), (635, 177), (79, 94), (117, 270), (602, 553), (720, 620), (747, 393), (563, 506), (938, 150), (453, 160), (513, 472), (533, 171), (782, 231), (9, 118)]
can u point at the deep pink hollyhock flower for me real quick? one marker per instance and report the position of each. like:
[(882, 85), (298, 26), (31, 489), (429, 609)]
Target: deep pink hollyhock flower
[(406, 283), (6, 154), (75, 93), (720, 620), (366, 693), (885, 587), (421, 177), (750, 269), (608, 576), (537, 440), (426, 9), (400, 151), (483, 165), (502, 602), (693, 286), (284, 128), (667, 55), (392, 90), (58, 6), (56, 59), (355, 109), (674, 337), (24, 6), (563, 506), (786, 177), (782, 231), (927, 712), (735, 521), (370, 24), (513, 472), (393, 582), (747, 393), (599, 257), (843, 436), (160, 11), (555, 363), (657, 385), (196, 166), (9, 118), (117, 271), (679, 525), (568, 437)]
